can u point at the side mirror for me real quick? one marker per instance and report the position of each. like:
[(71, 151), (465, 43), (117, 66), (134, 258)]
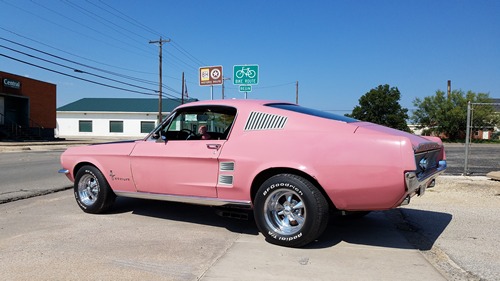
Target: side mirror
[(159, 138)]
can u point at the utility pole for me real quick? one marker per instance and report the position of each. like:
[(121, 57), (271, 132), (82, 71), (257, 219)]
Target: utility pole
[(297, 92), (160, 86), (224, 78), (183, 89)]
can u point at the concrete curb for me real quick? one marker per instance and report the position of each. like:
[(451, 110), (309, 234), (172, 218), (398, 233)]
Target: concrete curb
[(51, 145), (494, 175)]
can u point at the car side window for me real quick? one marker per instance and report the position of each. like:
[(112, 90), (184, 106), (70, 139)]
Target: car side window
[(200, 123)]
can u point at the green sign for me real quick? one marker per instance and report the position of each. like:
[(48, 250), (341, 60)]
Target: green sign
[(245, 88), (246, 74)]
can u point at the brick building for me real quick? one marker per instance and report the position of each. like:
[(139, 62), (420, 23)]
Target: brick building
[(27, 108)]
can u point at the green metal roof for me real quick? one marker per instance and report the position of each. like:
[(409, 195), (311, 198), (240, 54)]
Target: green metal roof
[(122, 105)]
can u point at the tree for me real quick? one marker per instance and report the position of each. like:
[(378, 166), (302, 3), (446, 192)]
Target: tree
[(381, 106), (447, 116)]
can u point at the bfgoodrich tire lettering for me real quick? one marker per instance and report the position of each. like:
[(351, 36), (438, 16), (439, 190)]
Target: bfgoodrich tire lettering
[(290, 211), (92, 191)]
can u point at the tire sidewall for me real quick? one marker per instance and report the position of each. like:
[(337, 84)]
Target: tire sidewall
[(98, 205), (308, 232)]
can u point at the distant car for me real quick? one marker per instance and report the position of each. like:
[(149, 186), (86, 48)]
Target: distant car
[(292, 165)]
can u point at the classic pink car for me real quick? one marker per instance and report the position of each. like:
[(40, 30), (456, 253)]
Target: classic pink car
[(291, 164)]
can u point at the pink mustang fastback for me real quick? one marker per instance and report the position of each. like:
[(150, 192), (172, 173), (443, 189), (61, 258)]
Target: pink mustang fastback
[(292, 165)]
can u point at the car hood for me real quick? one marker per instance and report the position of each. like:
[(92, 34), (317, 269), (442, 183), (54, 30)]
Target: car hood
[(419, 143)]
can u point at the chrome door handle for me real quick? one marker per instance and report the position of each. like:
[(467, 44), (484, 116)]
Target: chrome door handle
[(213, 146)]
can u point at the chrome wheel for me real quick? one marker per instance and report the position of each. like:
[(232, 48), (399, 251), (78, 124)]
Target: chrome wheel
[(92, 192), (285, 212), (88, 189)]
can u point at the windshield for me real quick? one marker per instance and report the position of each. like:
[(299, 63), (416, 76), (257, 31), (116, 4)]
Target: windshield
[(313, 112)]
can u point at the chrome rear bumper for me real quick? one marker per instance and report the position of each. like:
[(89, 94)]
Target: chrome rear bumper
[(417, 185)]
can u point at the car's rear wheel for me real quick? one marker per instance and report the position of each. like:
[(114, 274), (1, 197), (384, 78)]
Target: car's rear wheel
[(92, 191), (290, 211)]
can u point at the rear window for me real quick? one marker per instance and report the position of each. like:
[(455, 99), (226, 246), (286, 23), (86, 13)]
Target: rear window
[(313, 112)]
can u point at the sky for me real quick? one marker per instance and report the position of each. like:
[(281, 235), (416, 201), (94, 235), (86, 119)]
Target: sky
[(337, 51)]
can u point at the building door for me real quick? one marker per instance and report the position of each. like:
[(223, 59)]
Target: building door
[(2, 110), (16, 110)]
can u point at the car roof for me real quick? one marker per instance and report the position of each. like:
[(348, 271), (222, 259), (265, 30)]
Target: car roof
[(234, 102)]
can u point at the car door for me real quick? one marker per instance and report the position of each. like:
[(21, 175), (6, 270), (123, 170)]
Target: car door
[(177, 167), (182, 163)]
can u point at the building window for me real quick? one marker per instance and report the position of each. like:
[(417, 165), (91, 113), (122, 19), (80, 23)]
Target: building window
[(85, 126), (147, 126), (116, 126)]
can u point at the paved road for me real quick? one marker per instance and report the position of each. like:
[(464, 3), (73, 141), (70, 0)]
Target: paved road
[(483, 158), (30, 173)]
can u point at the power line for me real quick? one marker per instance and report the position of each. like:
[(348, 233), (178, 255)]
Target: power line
[(94, 15), (102, 20), (146, 28), (100, 8), (187, 54), (88, 66), (76, 77), (76, 70), (275, 86), (175, 59), (107, 23), (75, 55), (76, 32), (132, 20), (81, 64)]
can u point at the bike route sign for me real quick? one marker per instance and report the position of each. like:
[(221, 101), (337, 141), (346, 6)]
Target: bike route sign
[(246, 74), (245, 88)]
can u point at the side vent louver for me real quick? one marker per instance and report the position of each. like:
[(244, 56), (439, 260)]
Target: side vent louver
[(227, 166), (225, 179), (265, 121)]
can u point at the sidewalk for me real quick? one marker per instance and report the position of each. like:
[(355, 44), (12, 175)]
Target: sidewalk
[(13, 146)]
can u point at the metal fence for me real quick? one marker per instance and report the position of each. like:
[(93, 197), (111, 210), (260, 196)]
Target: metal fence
[(468, 136)]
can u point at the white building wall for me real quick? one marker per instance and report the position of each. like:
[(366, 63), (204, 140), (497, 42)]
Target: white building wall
[(68, 123)]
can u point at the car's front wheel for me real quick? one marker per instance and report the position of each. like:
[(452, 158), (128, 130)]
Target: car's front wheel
[(290, 211), (92, 191)]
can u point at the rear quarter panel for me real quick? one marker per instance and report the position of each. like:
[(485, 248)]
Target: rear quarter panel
[(358, 172)]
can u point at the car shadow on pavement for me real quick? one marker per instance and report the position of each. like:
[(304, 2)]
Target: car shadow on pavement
[(395, 228), (197, 214), (389, 229)]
